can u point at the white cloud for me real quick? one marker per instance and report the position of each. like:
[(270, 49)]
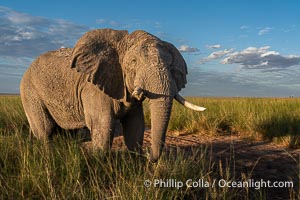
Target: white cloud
[(264, 31), (243, 83), (254, 58), (289, 29), (113, 23), (107, 22), (18, 17), (22, 34), (23, 37), (244, 27), (261, 58), (215, 55), (101, 21), (187, 49), (214, 46)]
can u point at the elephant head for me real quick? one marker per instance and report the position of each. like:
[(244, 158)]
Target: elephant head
[(135, 66)]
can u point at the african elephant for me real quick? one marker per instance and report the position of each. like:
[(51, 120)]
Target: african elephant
[(106, 77)]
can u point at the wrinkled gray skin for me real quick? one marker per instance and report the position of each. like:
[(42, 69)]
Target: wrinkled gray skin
[(104, 78)]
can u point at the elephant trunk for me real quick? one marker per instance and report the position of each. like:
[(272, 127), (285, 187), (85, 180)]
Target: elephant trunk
[(160, 110)]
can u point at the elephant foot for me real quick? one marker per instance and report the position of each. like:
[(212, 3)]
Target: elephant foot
[(90, 147)]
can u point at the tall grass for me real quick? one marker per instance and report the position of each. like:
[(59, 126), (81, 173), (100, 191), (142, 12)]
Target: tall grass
[(277, 119), (61, 169), (12, 116), (32, 170)]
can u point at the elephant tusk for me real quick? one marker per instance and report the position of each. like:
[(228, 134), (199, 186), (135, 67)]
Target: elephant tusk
[(138, 93), (187, 104)]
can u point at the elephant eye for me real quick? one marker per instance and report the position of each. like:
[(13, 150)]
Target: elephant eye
[(133, 62)]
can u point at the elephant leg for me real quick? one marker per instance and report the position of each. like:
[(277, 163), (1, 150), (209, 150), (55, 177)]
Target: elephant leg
[(99, 117), (102, 134), (40, 121), (133, 129), (101, 129)]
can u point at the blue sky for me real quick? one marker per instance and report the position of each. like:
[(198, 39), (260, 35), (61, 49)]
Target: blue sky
[(232, 48)]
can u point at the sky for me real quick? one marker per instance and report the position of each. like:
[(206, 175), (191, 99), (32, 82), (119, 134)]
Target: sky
[(232, 48)]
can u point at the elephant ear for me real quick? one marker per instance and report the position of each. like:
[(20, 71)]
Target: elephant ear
[(178, 66), (95, 54)]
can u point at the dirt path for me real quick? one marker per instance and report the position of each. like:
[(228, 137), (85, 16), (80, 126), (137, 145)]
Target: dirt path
[(260, 159)]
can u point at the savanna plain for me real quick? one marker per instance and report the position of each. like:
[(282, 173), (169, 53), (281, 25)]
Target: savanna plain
[(235, 139)]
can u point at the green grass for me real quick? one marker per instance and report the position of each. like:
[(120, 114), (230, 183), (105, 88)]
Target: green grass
[(61, 169), (31, 170), (276, 119)]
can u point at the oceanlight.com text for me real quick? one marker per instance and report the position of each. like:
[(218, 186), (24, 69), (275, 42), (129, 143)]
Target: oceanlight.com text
[(222, 183)]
